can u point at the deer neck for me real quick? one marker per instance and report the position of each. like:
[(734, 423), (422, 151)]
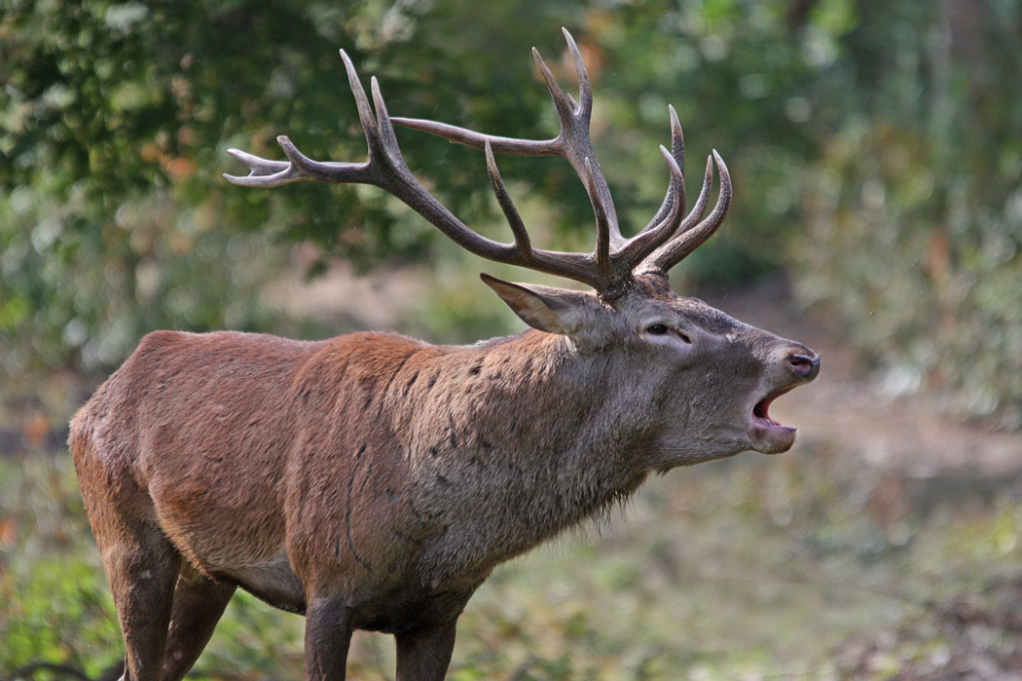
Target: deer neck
[(530, 430)]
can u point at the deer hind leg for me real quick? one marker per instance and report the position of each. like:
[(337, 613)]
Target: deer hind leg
[(198, 604), (141, 566)]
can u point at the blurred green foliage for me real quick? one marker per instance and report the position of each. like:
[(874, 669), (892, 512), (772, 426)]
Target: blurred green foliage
[(57, 606), (875, 151), (915, 203)]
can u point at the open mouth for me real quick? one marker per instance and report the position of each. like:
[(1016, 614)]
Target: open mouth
[(769, 436), (761, 412)]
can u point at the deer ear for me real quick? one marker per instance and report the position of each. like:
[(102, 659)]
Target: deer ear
[(554, 310)]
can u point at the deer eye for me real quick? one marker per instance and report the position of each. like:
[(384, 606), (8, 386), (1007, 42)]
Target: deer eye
[(657, 329)]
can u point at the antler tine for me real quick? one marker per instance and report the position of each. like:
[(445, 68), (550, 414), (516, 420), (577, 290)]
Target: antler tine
[(387, 136), (514, 220), (584, 107), (575, 142), (701, 201), (565, 110), (678, 154), (298, 168), (688, 238), (603, 258), (365, 113), (259, 169), (677, 141), (506, 146)]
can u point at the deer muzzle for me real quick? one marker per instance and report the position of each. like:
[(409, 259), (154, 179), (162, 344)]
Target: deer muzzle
[(799, 366)]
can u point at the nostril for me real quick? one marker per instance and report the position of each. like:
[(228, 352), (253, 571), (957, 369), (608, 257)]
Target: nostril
[(804, 366)]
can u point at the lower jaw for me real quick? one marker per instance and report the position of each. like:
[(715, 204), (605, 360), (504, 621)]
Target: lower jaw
[(772, 439)]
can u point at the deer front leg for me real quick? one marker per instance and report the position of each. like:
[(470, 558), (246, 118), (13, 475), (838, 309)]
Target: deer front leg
[(327, 637), (424, 655)]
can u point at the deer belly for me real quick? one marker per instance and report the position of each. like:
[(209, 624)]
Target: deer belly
[(273, 582), (247, 549)]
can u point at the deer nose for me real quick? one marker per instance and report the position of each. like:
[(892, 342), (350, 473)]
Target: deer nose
[(804, 363)]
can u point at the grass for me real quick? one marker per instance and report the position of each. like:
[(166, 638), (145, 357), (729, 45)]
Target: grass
[(753, 568)]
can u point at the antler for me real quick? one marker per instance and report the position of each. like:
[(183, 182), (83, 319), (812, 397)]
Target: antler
[(386, 168), (661, 244), (648, 251)]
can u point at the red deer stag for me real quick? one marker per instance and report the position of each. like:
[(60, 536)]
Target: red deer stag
[(373, 481)]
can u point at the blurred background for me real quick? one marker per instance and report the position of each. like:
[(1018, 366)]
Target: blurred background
[(876, 155)]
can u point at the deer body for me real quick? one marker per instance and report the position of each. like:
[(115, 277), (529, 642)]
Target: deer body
[(372, 481), (390, 460)]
